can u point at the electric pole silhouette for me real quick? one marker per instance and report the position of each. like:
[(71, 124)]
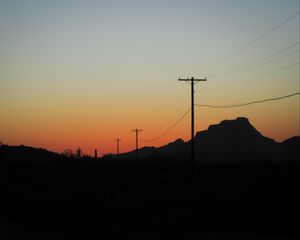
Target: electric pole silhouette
[(136, 142), (118, 147), (192, 82)]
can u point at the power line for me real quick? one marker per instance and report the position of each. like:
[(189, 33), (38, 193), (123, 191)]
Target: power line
[(255, 63), (177, 94), (160, 119), (178, 110), (169, 129), (248, 103), (265, 63), (255, 78), (164, 102), (249, 43)]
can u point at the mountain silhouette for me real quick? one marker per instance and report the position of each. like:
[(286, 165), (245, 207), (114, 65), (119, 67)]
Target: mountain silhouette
[(236, 136), (292, 143), (227, 138)]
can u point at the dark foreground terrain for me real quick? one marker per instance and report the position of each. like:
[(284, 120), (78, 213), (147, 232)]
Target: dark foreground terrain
[(246, 198)]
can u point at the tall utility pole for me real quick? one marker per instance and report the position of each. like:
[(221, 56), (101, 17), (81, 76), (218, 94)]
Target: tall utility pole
[(118, 147), (192, 82), (136, 141)]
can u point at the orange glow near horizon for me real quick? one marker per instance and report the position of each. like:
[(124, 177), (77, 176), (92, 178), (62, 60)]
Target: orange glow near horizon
[(90, 73), (60, 135)]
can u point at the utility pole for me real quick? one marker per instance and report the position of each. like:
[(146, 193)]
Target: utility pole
[(118, 147), (96, 154), (136, 141), (192, 82)]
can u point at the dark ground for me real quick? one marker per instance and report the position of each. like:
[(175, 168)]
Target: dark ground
[(98, 199)]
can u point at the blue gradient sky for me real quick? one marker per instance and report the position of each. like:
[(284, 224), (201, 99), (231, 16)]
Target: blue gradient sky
[(82, 73)]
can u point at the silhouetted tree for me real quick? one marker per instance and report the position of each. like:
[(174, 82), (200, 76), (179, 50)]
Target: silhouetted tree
[(78, 153), (68, 153)]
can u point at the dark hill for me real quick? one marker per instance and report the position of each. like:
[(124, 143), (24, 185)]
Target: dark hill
[(292, 144), (234, 136), (173, 149), (21, 155)]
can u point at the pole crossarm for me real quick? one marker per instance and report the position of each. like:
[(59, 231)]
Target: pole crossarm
[(192, 79)]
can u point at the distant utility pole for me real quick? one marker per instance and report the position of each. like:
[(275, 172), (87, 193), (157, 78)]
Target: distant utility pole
[(118, 147), (192, 82), (136, 141), (96, 154)]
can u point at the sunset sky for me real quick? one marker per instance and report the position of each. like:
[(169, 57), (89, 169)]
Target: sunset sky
[(83, 73)]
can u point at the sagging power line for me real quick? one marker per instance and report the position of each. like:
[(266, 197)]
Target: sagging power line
[(255, 64), (248, 103), (164, 103), (288, 19), (255, 78), (178, 110), (169, 129)]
